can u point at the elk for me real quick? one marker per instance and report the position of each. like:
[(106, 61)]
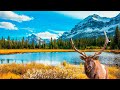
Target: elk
[(92, 66)]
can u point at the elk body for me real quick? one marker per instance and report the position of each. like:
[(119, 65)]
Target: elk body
[(92, 66)]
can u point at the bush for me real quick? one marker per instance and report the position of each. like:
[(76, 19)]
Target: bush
[(64, 63)]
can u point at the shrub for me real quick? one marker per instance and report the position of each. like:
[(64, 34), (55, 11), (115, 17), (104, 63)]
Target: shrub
[(64, 63)]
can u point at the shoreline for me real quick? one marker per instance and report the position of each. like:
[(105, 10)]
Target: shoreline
[(15, 51)]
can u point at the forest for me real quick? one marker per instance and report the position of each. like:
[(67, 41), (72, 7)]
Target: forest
[(82, 43)]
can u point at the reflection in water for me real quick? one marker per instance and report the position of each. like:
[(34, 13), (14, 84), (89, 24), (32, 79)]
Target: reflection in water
[(2, 61), (117, 61), (111, 59), (22, 61), (57, 57), (7, 60)]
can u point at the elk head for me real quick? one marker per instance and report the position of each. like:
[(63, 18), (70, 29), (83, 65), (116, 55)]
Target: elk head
[(93, 68)]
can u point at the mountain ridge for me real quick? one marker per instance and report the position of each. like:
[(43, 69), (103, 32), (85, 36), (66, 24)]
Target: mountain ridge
[(93, 26), (36, 39)]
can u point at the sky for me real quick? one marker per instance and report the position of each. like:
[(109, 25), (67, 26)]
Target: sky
[(44, 24)]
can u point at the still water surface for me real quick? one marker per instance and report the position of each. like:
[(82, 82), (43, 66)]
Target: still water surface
[(55, 58)]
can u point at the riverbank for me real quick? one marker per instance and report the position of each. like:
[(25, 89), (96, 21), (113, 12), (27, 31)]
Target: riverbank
[(14, 51), (41, 71)]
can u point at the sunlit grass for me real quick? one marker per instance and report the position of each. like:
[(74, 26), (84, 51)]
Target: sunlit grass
[(114, 72), (13, 51), (9, 75), (41, 71)]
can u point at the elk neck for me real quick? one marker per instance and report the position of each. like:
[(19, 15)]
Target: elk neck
[(91, 67)]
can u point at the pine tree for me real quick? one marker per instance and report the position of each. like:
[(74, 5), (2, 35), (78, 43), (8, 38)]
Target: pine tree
[(55, 44), (119, 39), (8, 43), (51, 44), (26, 44), (44, 45), (39, 44), (33, 45), (116, 37), (116, 40), (22, 43)]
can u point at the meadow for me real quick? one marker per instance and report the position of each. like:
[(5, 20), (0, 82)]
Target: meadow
[(41, 71), (13, 51)]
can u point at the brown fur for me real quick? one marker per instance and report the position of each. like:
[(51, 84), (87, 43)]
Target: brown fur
[(96, 71)]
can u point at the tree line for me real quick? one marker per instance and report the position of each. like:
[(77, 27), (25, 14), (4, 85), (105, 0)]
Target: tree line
[(82, 43), (115, 41)]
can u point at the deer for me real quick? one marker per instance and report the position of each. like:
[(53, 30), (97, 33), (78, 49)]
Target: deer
[(92, 66)]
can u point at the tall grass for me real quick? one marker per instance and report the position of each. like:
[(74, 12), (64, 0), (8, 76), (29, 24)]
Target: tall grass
[(41, 71)]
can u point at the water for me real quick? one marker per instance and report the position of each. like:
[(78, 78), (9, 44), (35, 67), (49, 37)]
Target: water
[(55, 58)]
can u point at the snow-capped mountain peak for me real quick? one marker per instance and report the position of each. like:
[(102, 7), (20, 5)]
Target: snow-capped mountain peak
[(93, 26), (36, 39)]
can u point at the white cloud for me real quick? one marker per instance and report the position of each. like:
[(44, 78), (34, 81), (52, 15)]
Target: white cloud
[(8, 26), (58, 32), (47, 35), (84, 14), (29, 29), (9, 15)]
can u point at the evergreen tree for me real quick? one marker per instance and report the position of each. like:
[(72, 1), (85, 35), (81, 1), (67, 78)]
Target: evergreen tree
[(116, 37), (39, 44), (116, 40), (51, 44), (22, 43), (8, 43), (44, 45), (33, 45), (26, 44)]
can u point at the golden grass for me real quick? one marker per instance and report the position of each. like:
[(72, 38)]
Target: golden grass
[(9, 75), (115, 51), (13, 51), (58, 72), (41, 71), (114, 72)]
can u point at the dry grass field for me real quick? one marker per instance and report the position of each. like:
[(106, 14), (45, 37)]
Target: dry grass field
[(13, 51), (40, 71)]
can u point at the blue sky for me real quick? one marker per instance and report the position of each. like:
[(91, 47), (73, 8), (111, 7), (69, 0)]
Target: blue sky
[(45, 24)]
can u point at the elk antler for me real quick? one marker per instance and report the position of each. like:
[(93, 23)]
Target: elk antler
[(106, 42), (76, 48)]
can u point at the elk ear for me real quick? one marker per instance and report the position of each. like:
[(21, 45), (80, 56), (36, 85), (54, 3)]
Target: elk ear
[(96, 57), (82, 57)]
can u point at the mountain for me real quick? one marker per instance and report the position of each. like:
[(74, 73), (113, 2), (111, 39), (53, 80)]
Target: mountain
[(93, 26), (36, 39)]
